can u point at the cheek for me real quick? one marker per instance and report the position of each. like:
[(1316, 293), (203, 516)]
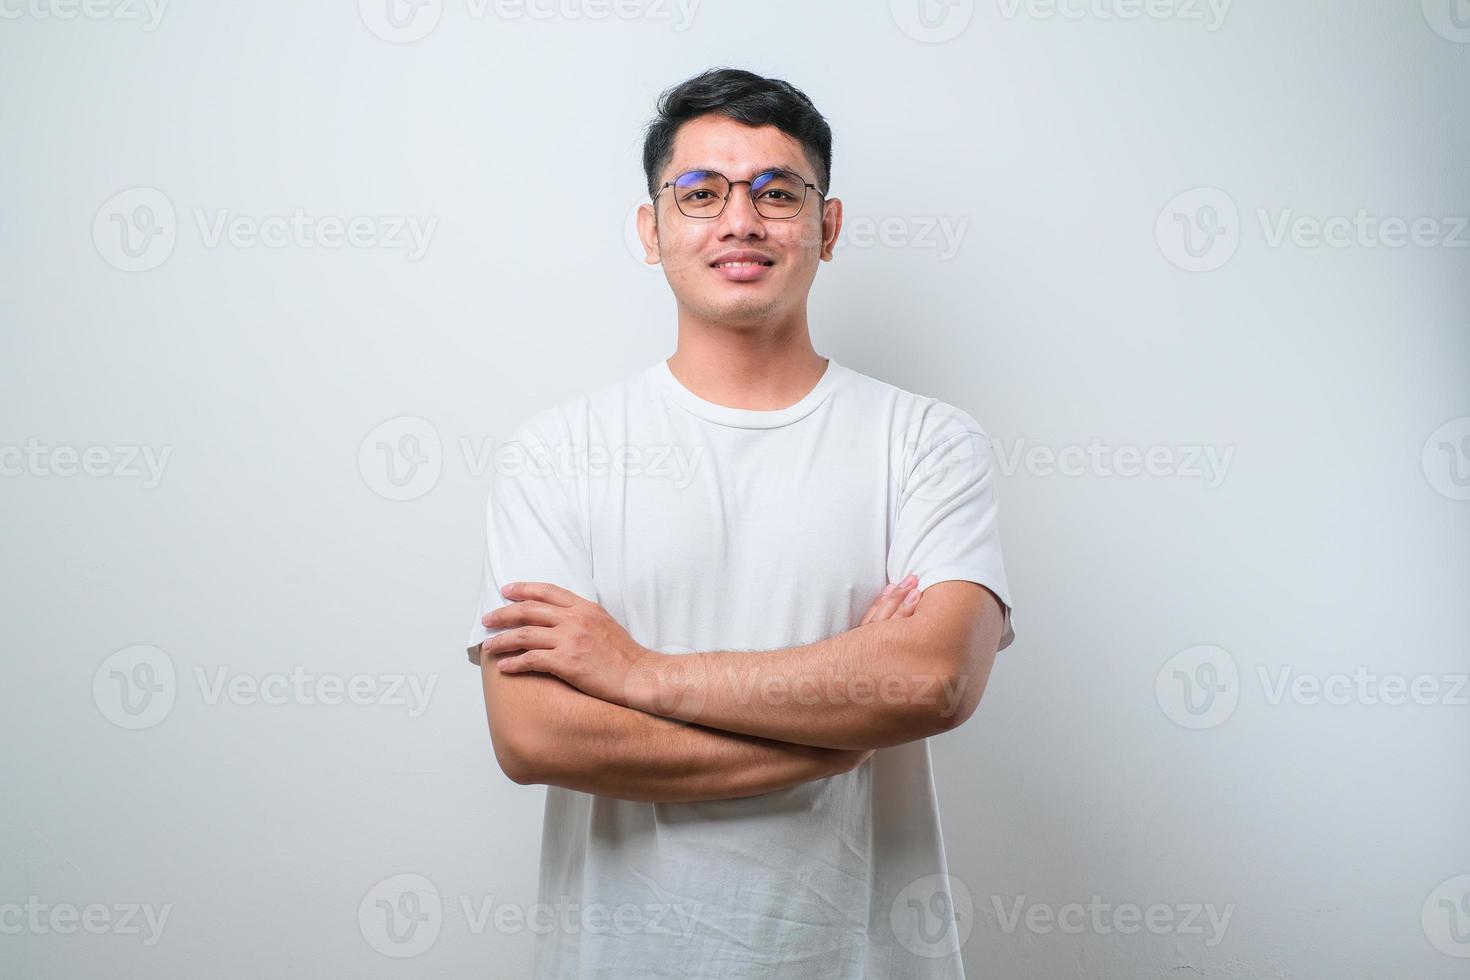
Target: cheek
[(682, 250), (802, 245)]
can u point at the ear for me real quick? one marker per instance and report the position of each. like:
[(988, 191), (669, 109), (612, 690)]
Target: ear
[(831, 226), (648, 233)]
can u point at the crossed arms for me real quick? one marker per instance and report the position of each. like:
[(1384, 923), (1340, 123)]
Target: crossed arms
[(573, 701)]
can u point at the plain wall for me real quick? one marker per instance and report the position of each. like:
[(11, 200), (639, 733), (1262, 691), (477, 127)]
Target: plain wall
[(1030, 201)]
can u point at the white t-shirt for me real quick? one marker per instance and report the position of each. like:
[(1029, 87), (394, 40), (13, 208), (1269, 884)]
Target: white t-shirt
[(701, 527)]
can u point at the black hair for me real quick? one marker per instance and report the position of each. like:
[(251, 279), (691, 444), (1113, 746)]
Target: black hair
[(745, 97)]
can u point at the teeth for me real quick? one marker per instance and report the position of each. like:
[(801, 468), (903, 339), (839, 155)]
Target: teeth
[(736, 265)]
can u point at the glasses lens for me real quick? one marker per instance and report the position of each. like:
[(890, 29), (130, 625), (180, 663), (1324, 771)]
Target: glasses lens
[(701, 193), (778, 193)]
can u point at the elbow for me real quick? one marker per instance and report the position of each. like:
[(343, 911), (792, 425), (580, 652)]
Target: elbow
[(957, 694), (517, 761)]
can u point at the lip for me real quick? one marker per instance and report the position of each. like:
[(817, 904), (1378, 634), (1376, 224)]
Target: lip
[(742, 273)]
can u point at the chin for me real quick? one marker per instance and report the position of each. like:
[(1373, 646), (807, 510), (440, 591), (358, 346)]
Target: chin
[(748, 311)]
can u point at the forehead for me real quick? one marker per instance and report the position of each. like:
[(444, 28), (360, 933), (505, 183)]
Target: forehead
[(717, 142)]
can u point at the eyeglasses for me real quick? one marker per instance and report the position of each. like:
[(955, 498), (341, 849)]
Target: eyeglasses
[(704, 193)]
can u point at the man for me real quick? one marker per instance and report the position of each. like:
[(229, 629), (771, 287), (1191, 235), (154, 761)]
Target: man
[(675, 631)]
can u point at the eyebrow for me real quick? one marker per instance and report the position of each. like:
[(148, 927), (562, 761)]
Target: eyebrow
[(778, 166)]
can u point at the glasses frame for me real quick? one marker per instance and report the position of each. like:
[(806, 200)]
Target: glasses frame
[(749, 190)]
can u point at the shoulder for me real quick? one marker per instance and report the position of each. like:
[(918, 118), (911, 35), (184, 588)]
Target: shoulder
[(917, 416), (574, 420)]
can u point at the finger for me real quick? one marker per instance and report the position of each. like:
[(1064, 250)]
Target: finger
[(553, 594), (909, 604), (876, 604), (528, 661), (522, 637), (891, 604), (888, 604), (528, 612)]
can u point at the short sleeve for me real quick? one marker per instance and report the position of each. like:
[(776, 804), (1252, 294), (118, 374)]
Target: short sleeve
[(533, 532), (948, 521)]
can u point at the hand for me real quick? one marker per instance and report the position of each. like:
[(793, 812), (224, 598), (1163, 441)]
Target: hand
[(558, 632), (890, 603)]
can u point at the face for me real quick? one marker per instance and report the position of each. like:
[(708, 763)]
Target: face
[(691, 249)]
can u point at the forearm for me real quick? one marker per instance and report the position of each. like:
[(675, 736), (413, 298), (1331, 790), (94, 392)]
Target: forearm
[(587, 744), (867, 688)]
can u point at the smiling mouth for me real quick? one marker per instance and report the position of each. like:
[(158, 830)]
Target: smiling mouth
[(739, 265)]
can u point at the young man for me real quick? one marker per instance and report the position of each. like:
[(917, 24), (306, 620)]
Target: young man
[(675, 631)]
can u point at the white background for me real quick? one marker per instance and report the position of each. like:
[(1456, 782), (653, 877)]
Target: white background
[(1068, 313)]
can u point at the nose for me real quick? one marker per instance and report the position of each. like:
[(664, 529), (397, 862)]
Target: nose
[(740, 218)]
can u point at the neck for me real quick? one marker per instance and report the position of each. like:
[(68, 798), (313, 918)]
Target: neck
[(762, 367)]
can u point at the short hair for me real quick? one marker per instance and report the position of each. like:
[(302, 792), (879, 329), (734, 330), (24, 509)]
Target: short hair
[(745, 97)]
